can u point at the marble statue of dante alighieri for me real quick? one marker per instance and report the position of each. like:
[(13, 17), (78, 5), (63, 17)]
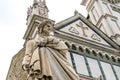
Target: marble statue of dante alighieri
[(45, 57)]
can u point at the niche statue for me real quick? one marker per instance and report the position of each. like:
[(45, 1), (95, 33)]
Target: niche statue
[(45, 57)]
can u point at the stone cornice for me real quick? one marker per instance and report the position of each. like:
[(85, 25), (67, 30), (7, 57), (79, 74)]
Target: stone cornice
[(114, 1), (115, 8), (84, 41)]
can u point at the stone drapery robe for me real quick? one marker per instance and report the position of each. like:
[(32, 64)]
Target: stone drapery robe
[(47, 60)]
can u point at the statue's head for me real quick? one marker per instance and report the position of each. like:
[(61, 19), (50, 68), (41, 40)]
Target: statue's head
[(45, 28)]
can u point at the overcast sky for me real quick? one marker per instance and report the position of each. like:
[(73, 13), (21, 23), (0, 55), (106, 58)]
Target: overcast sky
[(13, 15)]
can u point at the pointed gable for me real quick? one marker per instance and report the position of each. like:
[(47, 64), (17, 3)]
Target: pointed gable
[(80, 27)]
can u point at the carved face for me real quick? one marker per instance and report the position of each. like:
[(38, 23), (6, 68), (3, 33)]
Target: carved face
[(47, 28)]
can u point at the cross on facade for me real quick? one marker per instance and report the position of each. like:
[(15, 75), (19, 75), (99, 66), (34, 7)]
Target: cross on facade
[(83, 28)]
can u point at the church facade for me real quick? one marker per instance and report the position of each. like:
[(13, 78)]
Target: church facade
[(93, 42)]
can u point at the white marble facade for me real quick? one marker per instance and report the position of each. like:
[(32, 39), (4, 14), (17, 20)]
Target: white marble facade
[(105, 14)]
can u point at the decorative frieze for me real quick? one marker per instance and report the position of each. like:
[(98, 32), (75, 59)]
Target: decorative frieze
[(114, 1), (115, 8), (93, 52)]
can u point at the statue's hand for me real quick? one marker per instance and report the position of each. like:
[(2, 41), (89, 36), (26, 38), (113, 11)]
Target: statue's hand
[(42, 42), (25, 67)]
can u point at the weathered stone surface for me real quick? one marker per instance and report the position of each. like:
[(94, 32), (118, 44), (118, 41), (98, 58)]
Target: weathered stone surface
[(15, 72)]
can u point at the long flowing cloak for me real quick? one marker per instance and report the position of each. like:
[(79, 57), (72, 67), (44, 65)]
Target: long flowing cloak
[(48, 61)]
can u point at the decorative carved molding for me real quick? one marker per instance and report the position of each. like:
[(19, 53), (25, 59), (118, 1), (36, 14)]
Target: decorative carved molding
[(94, 52), (115, 8), (95, 37), (114, 1), (73, 30)]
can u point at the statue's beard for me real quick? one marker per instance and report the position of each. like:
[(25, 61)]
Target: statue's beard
[(44, 33)]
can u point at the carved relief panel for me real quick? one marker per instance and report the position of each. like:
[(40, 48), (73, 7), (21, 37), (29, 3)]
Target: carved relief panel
[(80, 29)]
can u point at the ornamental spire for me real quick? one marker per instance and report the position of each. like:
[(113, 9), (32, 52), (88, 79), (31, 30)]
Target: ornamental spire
[(35, 2), (38, 8), (43, 1)]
